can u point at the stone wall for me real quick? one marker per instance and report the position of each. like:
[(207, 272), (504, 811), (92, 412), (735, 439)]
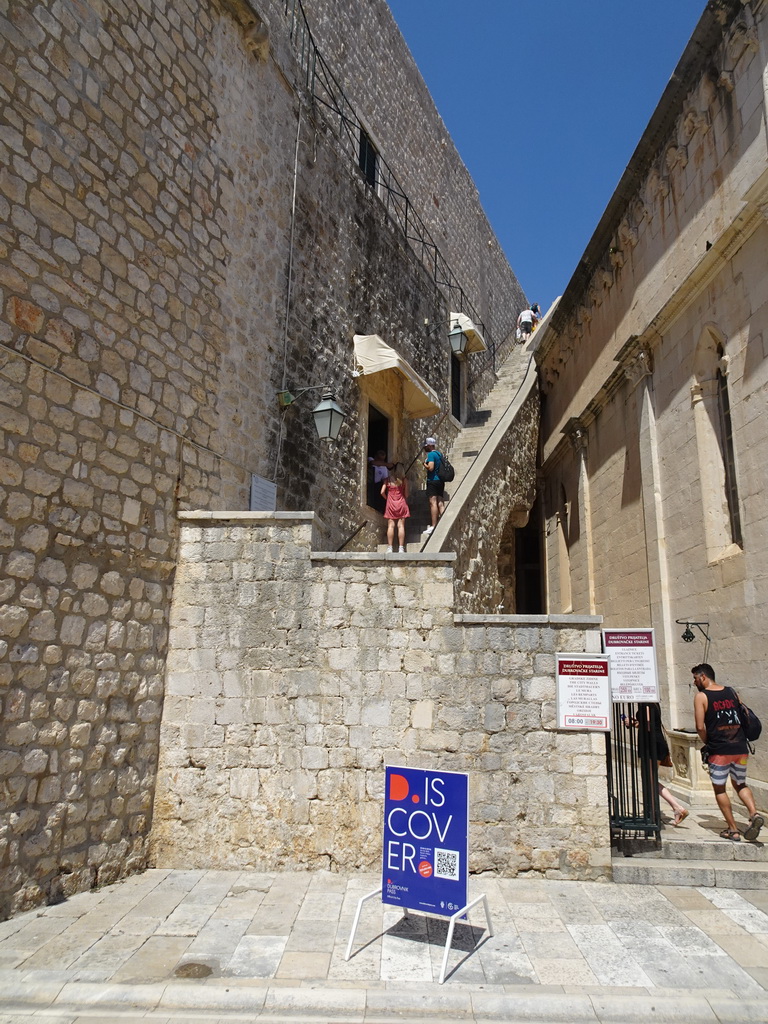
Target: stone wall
[(148, 163), (669, 299), (403, 122), (294, 676), (493, 499)]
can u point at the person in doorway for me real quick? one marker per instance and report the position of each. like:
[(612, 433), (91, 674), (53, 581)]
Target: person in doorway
[(716, 710), (396, 510), (525, 325), (663, 756), (380, 466), (435, 486)]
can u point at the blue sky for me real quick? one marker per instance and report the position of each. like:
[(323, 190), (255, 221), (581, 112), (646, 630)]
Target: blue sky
[(546, 101)]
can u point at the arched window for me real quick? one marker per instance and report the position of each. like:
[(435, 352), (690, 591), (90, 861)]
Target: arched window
[(714, 435), (726, 452)]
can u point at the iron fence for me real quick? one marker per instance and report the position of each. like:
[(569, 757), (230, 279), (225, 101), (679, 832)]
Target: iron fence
[(633, 775)]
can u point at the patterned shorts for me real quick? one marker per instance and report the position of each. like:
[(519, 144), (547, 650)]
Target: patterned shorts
[(735, 766)]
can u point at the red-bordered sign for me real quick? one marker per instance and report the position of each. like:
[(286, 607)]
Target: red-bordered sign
[(583, 691), (633, 664)]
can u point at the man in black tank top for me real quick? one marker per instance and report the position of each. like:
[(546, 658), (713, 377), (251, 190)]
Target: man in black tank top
[(717, 722)]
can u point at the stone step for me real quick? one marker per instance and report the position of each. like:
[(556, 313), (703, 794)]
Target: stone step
[(701, 849), (708, 873)]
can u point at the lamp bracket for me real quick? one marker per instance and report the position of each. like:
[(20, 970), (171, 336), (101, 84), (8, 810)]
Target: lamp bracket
[(285, 398), (701, 626)]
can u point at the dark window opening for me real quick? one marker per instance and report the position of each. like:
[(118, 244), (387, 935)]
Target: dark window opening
[(378, 441), (725, 436), (368, 158), (455, 387), (529, 588)]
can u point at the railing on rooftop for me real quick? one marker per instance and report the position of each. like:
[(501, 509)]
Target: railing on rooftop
[(326, 91)]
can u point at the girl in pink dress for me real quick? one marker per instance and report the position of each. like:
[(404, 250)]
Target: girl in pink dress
[(395, 490)]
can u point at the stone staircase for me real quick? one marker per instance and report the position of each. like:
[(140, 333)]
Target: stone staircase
[(470, 441), (694, 855), (467, 445)]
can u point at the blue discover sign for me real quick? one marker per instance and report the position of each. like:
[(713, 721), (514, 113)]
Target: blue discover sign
[(426, 840)]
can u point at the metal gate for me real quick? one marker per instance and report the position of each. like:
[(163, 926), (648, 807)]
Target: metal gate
[(633, 775)]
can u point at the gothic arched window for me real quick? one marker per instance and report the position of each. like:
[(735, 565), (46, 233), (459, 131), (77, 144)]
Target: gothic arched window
[(714, 435)]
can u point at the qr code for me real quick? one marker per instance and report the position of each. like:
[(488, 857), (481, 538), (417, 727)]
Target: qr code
[(447, 864)]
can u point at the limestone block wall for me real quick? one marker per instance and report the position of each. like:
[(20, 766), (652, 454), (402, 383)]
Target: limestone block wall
[(494, 497), (148, 164), (669, 304), (382, 80), (294, 676)]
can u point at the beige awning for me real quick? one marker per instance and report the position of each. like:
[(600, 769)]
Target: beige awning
[(475, 340), (372, 355)]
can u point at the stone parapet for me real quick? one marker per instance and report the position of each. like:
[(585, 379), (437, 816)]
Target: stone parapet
[(295, 676), (497, 492)]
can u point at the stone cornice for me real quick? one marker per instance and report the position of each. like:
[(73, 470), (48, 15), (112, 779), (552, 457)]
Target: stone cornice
[(635, 362), (657, 139), (635, 357)]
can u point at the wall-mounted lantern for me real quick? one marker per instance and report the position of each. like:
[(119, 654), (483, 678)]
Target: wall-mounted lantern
[(327, 414), (458, 340)]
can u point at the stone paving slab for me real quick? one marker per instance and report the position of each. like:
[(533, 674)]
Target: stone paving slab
[(183, 946)]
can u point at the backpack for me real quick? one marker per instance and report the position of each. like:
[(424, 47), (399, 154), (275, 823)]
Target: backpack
[(445, 470), (750, 723)]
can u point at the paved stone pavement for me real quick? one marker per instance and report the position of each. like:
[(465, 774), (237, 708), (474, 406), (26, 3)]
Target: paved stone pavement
[(208, 946)]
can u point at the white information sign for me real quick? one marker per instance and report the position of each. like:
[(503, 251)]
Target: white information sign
[(583, 691), (633, 664), (263, 494)]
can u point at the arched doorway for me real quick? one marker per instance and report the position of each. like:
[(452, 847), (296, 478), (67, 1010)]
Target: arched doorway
[(520, 564)]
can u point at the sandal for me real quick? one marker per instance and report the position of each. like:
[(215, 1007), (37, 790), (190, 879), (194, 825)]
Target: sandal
[(735, 837), (753, 829), (680, 817)]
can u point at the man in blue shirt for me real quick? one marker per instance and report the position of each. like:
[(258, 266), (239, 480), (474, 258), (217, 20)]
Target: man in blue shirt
[(435, 486)]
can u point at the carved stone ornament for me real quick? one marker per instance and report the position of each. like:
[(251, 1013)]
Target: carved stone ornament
[(604, 278), (576, 433), (680, 758), (657, 185), (584, 313), (707, 94), (725, 81), (638, 366), (693, 121), (567, 345), (639, 212), (549, 376), (617, 258), (744, 37), (676, 156), (723, 363), (257, 37), (579, 440), (628, 235)]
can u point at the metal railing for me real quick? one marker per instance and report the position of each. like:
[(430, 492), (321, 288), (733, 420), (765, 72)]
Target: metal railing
[(633, 775), (325, 89)]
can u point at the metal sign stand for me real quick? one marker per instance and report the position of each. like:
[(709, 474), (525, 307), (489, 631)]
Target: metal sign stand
[(452, 919)]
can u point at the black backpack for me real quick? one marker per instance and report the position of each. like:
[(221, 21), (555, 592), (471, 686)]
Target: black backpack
[(750, 723), (445, 470)]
